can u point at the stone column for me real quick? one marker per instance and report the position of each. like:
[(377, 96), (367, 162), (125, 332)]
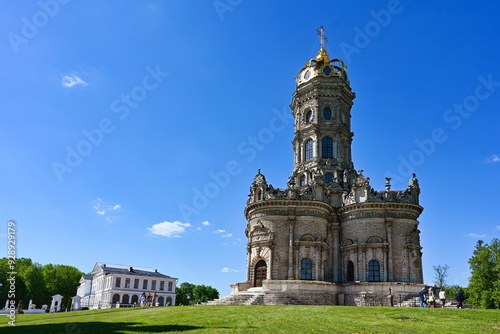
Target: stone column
[(386, 264), (336, 254), (363, 265), (318, 263), (291, 263), (388, 226), (358, 272), (270, 275), (249, 263)]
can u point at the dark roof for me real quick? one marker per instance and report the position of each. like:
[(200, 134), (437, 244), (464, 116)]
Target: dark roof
[(110, 269)]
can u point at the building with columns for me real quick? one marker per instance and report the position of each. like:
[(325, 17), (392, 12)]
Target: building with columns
[(329, 237), (112, 285)]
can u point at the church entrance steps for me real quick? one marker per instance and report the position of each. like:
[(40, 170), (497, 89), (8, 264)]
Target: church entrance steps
[(255, 298)]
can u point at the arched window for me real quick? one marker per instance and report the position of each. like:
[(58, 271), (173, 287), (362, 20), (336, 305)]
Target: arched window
[(373, 271), (259, 194), (328, 178), (350, 271), (327, 146), (327, 113), (309, 116), (309, 149), (161, 301), (306, 269), (135, 299), (302, 180), (125, 299), (116, 298)]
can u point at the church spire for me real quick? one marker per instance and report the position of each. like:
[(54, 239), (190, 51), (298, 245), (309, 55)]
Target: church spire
[(321, 32), (322, 56), (321, 107)]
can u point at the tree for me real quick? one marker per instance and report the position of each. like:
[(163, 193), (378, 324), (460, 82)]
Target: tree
[(185, 294), (189, 294), (61, 279), (38, 283), (35, 285), (205, 293), (484, 283), (440, 275)]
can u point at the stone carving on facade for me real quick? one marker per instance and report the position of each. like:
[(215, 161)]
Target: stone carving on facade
[(280, 218)]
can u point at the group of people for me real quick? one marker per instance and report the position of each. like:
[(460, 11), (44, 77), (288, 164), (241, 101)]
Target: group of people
[(149, 300), (428, 298)]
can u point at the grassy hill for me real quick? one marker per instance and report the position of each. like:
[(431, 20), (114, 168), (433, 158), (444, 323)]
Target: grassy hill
[(259, 319)]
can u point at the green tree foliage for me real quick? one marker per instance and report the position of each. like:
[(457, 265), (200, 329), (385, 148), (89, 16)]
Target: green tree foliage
[(185, 294), (451, 291), (189, 294), (38, 283), (205, 293), (484, 284), (61, 279), (35, 285)]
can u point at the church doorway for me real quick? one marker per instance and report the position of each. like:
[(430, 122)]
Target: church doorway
[(350, 271), (260, 273)]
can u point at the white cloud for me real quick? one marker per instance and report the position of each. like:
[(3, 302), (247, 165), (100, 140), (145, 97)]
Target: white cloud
[(227, 270), (493, 158), (498, 227), (219, 231), (168, 229), (70, 80), (475, 235), (229, 235), (103, 210), (205, 223)]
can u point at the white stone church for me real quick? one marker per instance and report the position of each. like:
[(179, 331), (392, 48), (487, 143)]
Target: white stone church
[(329, 237)]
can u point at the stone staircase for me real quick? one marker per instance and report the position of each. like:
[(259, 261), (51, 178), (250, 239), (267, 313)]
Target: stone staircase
[(256, 297)]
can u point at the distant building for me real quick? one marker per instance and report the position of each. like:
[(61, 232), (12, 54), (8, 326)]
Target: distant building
[(112, 284), (329, 237)]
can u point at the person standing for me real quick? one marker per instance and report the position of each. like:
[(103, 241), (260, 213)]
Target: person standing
[(442, 297), (423, 298), (155, 298), (460, 298)]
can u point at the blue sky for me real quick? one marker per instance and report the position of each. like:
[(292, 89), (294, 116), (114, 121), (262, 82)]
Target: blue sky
[(132, 130)]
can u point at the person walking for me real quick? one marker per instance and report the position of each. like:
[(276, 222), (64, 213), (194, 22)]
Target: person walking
[(423, 298), (143, 299), (431, 299), (460, 298), (442, 297)]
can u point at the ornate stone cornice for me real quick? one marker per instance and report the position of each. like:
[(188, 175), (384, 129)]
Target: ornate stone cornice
[(380, 210), (290, 208)]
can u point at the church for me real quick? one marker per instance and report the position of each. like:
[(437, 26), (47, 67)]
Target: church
[(329, 238)]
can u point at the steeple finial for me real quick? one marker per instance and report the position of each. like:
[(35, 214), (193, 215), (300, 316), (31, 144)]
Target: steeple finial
[(321, 32)]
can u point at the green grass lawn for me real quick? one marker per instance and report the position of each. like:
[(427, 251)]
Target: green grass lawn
[(259, 319)]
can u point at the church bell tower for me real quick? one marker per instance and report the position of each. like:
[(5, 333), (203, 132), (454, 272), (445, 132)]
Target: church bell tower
[(322, 110)]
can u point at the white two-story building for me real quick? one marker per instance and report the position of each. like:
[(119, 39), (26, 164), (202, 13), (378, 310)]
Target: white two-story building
[(112, 284)]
